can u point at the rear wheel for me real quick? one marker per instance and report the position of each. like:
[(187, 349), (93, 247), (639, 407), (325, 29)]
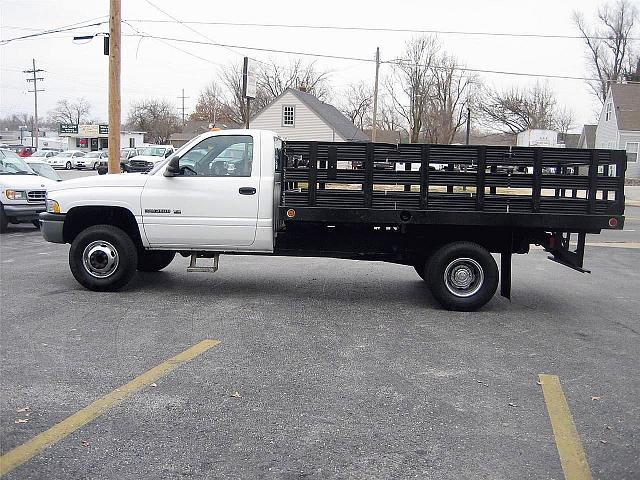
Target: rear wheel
[(462, 276), (103, 258), (154, 261), (68, 166)]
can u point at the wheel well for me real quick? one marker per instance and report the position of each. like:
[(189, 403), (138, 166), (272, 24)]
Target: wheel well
[(79, 218)]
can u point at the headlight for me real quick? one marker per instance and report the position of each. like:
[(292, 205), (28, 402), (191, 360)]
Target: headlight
[(52, 206), (16, 194)]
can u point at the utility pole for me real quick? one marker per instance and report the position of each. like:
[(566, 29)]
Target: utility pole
[(375, 98), (114, 87), (468, 125), (183, 97), (35, 71)]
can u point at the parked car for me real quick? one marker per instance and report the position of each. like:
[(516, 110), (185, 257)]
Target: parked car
[(93, 160), (127, 154), (22, 191), (24, 151), (43, 169), (148, 157), (43, 154), (66, 160)]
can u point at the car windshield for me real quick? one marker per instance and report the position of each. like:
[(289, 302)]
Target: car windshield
[(65, 154), (93, 155), (45, 170), (39, 153), (153, 151), (10, 165)]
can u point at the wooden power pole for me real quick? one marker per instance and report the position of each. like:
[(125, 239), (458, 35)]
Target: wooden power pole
[(34, 130), (114, 87), (375, 98)]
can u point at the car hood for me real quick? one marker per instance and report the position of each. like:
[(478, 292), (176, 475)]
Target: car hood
[(114, 180), (147, 158), (31, 182)]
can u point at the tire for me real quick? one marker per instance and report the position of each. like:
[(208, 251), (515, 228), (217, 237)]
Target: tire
[(95, 165), (109, 252), (36, 223), (68, 166), (4, 220), (477, 280), (154, 261)]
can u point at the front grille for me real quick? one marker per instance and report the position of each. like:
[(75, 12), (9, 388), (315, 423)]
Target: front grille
[(140, 165), (36, 196)]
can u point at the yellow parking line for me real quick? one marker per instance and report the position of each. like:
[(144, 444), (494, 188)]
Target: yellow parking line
[(572, 456), (27, 450)]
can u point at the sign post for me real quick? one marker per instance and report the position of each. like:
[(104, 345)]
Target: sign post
[(249, 85)]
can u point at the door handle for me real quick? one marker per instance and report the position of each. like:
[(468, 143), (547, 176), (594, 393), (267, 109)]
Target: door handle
[(247, 191)]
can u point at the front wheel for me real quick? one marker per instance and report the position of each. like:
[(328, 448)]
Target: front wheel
[(95, 165), (462, 276), (103, 258), (154, 261), (68, 166), (4, 220)]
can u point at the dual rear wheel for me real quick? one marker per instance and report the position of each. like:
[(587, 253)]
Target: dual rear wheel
[(462, 276)]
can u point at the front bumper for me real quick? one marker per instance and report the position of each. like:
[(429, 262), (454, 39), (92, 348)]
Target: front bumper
[(51, 226), (23, 212)]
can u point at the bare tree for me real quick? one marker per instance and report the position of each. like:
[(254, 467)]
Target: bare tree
[(156, 117), (356, 104), (609, 46), (518, 109), (235, 104), (410, 85), (70, 112), (447, 105), (564, 120), (210, 105), (275, 78), (388, 118)]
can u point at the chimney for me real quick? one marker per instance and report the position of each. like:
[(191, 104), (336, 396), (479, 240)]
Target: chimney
[(302, 87)]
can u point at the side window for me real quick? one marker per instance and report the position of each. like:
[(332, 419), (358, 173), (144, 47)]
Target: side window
[(288, 116), (219, 156)]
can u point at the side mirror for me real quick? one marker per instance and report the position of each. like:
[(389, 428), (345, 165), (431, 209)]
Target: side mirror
[(173, 168), (102, 170)]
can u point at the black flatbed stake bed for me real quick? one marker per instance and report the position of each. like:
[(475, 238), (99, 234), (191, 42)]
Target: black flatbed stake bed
[(405, 203)]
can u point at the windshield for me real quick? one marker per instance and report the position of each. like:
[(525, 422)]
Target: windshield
[(65, 154), (153, 151), (93, 155), (14, 165), (45, 170), (39, 153)]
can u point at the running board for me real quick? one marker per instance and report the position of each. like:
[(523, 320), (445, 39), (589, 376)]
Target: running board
[(193, 267)]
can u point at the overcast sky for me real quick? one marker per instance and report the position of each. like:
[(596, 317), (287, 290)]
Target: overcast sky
[(152, 68)]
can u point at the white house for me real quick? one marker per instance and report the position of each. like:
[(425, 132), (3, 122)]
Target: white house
[(297, 115), (619, 124)]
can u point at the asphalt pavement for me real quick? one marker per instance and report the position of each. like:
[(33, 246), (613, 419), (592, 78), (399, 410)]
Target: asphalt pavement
[(325, 368)]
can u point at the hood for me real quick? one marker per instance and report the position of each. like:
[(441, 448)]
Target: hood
[(147, 158), (30, 182), (115, 180)]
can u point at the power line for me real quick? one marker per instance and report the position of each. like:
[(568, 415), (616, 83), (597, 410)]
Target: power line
[(377, 29), (63, 28), (187, 26), (393, 62)]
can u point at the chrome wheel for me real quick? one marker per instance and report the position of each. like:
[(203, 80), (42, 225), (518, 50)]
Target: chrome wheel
[(463, 277), (100, 259)]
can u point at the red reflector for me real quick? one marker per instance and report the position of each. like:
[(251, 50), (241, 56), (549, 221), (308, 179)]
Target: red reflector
[(613, 222), (291, 213)]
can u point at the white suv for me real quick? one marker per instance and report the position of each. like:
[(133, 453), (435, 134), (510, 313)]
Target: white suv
[(22, 191)]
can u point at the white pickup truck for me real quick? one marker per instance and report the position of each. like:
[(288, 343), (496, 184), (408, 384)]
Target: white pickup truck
[(248, 192)]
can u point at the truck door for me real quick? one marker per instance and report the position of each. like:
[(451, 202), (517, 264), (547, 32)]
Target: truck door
[(212, 203)]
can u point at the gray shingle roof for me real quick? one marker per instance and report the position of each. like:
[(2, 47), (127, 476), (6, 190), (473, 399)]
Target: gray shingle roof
[(626, 98), (332, 116)]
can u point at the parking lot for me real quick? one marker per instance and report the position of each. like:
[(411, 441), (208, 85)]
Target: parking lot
[(324, 369)]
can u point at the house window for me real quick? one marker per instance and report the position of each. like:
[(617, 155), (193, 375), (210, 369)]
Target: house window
[(632, 151), (607, 115), (288, 115)]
